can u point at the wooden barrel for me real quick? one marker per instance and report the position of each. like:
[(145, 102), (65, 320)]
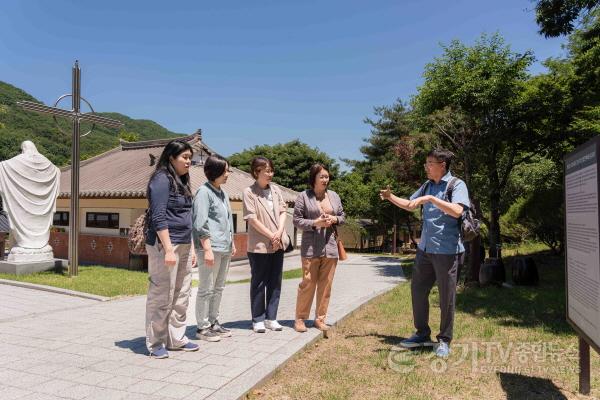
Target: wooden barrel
[(524, 272), (492, 272)]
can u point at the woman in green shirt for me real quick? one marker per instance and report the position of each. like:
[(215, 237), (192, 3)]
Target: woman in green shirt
[(213, 239)]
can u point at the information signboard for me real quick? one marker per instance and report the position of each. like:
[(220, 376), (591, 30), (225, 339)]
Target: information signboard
[(582, 241)]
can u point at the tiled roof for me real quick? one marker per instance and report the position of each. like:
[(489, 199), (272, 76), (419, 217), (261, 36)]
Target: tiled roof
[(123, 172)]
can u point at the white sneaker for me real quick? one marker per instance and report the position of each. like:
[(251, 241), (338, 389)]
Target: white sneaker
[(258, 327), (273, 325)]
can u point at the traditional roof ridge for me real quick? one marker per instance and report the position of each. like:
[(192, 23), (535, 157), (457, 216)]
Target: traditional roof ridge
[(205, 147), (123, 172), (125, 145), (98, 194), (242, 171), (92, 159)]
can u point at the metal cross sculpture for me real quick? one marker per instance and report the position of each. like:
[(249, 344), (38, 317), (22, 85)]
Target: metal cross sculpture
[(76, 116)]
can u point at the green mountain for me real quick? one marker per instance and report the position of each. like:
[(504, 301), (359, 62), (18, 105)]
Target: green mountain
[(17, 125)]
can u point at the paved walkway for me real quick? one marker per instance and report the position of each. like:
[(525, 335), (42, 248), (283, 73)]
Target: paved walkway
[(16, 303), (61, 347), (240, 270)]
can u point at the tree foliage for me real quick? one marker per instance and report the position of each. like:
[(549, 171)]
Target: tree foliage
[(543, 214), (391, 158), (129, 136), (291, 160), (584, 49), (472, 98), (354, 192), (558, 17), (508, 129), (538, 215)]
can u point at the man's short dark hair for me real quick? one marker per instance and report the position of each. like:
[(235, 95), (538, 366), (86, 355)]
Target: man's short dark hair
[(442, 155), (215, 166)]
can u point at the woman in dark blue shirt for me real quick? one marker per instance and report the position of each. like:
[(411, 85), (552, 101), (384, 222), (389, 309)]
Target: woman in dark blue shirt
[(170, 254)]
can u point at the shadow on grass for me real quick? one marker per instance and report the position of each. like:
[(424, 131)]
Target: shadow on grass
[(539, 307), (386, 339), (542, 306), (391, 266), (137, 345), (519, 386), (393, 343)]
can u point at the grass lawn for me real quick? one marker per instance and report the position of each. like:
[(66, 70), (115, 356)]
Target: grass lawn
[(510, 343), (107, 281), (103, 281)]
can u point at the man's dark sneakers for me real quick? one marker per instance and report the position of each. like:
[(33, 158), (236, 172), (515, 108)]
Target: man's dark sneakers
[(416, 341)]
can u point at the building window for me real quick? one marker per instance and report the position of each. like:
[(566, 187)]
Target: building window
[(234, 223), (102, 220), (61, 218)]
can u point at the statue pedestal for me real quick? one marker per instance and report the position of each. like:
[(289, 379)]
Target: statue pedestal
[(21, 254), (29, 267), (27, 261)]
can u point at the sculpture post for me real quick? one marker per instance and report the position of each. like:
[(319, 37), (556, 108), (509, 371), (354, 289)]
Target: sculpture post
[(76, 117)]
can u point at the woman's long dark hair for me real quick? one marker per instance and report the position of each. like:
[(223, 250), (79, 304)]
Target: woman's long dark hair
[(173, 149)]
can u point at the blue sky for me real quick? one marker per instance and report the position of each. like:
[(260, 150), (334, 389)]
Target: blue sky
[(249, 72)]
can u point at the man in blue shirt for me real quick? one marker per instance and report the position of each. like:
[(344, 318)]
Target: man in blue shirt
[(440, 251)]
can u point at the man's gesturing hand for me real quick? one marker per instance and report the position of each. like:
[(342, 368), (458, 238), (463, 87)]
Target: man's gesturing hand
[(386, 193)]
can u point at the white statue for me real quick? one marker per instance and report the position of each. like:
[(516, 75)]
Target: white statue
[(29, 186)]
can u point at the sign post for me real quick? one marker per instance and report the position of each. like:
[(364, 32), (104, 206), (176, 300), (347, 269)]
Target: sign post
[(582, 251)]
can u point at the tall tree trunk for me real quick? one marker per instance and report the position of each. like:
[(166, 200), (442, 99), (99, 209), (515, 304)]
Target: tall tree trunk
[(474, 260), (384, 240), (394, 233), (474, 254), (409, 226), (494, 226), (467, 177)]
